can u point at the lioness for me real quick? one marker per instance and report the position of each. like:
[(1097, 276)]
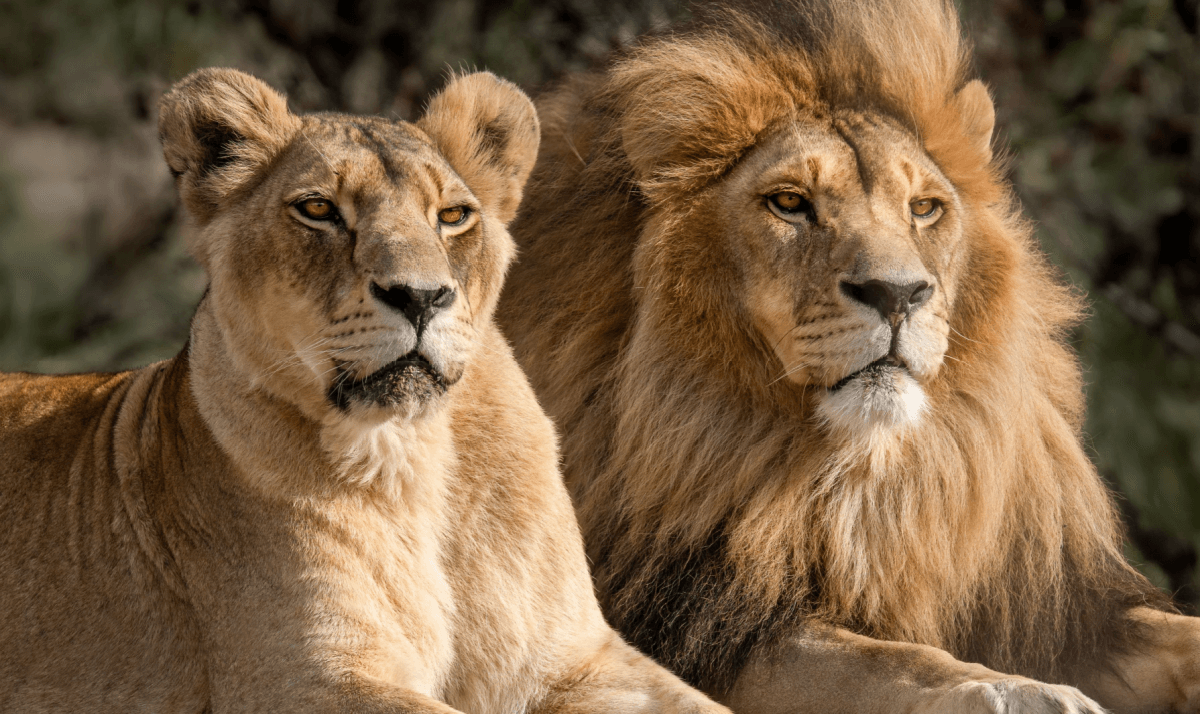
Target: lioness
[(820, 417), (341, 496)]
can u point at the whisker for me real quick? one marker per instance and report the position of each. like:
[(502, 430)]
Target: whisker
[(785, 335), (787, 372), (968, 339), (324, 158)]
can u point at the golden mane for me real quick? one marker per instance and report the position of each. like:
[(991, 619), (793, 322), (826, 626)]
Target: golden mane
[(718, 510)]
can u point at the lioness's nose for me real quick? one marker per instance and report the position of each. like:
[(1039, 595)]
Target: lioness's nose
[(891, 300), (418, 305)]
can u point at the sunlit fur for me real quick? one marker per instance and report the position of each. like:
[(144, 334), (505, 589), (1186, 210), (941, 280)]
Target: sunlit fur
[(725, 502), (241, 528)]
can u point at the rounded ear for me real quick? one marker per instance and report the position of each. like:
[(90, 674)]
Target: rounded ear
[(978, 116), (488, 131), (219, 129)]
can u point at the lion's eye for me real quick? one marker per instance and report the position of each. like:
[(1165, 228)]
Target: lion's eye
[(317, 209), (924, 207), (453, 216), (790, 203)]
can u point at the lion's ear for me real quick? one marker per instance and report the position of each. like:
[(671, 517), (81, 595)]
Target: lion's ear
[(219, 129), (488, 130), (978, 116)]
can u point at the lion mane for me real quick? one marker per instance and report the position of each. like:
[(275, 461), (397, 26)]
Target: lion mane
[(719, 509)]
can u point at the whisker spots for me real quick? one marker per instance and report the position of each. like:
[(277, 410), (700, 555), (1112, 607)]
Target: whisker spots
[(826, 334), (822, 316), (354, 316), (359, 331)]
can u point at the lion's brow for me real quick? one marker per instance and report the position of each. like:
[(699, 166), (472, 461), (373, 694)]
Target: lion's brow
[(382, 151), (320, 153), (864, 173), (429, 184)]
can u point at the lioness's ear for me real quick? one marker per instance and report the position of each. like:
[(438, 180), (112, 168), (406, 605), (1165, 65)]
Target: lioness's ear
[(488, 130), (978, 116), (219, 129)]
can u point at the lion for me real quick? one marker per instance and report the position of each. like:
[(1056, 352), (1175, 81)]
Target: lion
[(819, 413), (342, 495)]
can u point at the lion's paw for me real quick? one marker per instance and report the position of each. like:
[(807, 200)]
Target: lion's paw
[(1014, 696)]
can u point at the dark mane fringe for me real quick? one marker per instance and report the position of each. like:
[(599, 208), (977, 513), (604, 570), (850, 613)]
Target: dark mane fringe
[(719, 515), (688, 615)]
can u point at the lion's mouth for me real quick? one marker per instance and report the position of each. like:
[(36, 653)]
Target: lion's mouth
[(409, 378), (883, 367), (882, 394)]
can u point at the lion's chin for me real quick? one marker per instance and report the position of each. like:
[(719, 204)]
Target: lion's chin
[(878, 396), (407, 383)]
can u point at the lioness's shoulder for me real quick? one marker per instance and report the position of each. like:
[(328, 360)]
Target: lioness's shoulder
[(31, 399), (41, 416)]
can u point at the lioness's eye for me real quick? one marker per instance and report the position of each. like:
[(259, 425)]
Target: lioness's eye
[(453, 216), (317, 209), (924, 207), (790, 203)]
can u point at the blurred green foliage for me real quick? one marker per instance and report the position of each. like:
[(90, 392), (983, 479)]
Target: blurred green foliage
[(1099, 101), (101, 280), (1100, 104)]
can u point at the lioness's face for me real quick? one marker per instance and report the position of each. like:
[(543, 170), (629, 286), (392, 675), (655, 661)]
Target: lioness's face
[(846, 234), (354, 261), (367, 266)]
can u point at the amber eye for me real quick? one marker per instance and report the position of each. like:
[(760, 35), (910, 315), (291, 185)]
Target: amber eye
[(317, 209), (453, 216), (924, 207), (790, 203)]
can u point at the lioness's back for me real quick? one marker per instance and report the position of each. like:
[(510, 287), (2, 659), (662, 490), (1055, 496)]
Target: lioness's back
[(49, 408), (75, 544)]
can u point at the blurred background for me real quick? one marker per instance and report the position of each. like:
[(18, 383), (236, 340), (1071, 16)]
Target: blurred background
[(1098, 100)]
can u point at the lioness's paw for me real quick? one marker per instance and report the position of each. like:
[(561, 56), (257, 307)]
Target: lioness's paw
[(1014, 696)]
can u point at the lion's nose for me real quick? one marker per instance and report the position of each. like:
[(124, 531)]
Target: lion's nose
[(417, 304), (891, 300)]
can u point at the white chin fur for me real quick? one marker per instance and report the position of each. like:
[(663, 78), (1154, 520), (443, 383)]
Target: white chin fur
[(394, 451), (889, 399)]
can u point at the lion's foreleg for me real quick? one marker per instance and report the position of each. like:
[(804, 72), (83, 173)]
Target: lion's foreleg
[(827, 669), (617, 679), (1161, 675), (266, 691)]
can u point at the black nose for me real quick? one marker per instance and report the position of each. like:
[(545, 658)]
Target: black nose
[(891, 300), (418, 305)]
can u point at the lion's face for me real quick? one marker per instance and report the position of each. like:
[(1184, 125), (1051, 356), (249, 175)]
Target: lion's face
[(846, 235), (353, 261)]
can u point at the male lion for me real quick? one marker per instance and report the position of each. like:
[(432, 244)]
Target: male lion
[(820, 419), (342, 495)]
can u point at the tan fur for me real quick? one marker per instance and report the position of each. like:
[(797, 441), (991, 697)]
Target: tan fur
[(284, 517), (737, 477)]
